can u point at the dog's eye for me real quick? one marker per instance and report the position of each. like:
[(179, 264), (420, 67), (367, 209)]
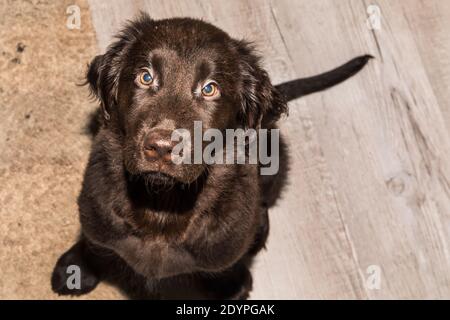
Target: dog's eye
[(210, 90), (145, 78)]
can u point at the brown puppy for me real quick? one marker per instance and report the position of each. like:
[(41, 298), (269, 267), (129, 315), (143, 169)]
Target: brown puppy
[(155, 228)]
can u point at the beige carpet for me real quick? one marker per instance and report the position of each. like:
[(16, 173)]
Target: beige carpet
[(44, 147)]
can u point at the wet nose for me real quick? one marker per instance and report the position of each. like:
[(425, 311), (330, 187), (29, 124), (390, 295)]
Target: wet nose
[(158, 146)]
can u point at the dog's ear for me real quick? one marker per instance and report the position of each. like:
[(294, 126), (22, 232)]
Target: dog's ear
[(98, 78), (261, 101), (94, 82), (105, 70)]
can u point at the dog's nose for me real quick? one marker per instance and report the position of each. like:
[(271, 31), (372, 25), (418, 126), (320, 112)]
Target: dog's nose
[(158, 146)]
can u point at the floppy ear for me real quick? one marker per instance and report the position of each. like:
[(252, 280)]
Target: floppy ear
[(261, 101), (103, 76), (104, 70), (95, 78)]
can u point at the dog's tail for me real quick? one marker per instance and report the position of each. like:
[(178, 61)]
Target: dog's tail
[(301, 87)]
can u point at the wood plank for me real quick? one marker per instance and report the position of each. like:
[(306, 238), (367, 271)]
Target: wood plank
[(370, 159), (430, 24), (108, 17), (384, 140)]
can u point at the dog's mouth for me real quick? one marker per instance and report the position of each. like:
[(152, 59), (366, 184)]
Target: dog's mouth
[(152, 182), (156, 182), (158, 178), (162, 175)]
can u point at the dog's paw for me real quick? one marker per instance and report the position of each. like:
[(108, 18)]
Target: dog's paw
[(233, 284), (71, 275), (245, 288)]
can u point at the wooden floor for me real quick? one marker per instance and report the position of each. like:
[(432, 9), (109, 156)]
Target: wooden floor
[(370, 181)]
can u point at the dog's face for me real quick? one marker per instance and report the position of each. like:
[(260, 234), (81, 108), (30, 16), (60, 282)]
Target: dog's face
[(164, 75)]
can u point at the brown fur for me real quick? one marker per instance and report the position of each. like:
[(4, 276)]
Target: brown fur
[(160, 230), (168, 228)]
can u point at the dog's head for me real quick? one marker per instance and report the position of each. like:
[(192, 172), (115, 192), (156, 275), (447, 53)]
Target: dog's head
[(164, 75)]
